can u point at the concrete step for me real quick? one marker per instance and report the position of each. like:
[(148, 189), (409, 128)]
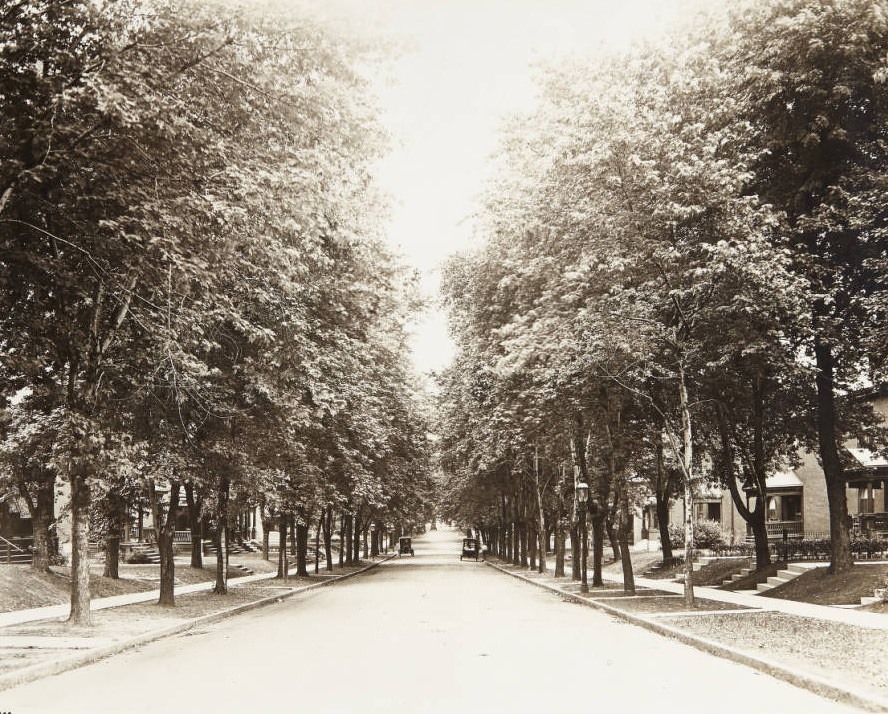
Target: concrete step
[(775, 581), (869, 600), (798, 568), (764, 587)]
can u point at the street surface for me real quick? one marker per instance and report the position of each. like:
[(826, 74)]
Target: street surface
[(426, 634)]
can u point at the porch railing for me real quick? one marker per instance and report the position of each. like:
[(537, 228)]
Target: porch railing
[(777, 529), (871, 522)]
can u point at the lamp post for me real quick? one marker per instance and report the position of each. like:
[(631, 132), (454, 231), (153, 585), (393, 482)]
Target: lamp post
[(582, 501)]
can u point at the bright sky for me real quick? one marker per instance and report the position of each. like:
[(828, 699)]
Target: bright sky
[(467, 66)]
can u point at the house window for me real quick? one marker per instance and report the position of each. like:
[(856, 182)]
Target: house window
[(865, 499), (709, 511)]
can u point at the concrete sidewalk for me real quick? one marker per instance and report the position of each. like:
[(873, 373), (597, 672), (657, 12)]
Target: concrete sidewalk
[(871, 620)]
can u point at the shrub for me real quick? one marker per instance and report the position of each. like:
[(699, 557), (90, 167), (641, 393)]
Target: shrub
[(707, 534), (138, 558)]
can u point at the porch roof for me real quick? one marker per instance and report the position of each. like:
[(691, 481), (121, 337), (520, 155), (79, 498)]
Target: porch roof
[(865, 465)]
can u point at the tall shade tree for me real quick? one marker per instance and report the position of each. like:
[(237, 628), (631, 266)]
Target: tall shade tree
[(814, 77)]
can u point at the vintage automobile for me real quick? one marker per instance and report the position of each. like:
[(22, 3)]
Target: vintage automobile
[(405, 546), (471, 548)]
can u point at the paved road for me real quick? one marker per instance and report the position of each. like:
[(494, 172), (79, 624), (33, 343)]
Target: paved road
[(427, 634)]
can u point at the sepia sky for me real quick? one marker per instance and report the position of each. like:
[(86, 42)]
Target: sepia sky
[(464, 66)]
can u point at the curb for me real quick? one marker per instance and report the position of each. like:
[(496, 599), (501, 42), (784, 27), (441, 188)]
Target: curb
[(48, 669), (803, 680)]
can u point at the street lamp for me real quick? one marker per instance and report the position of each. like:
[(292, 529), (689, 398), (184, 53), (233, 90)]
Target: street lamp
[(583, 500)]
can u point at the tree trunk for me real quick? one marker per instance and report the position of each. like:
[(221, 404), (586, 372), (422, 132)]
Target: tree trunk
[(328, 538), (283, 564), (613, 539), (318, 542), (559, 547), (80, 502), (221, 587), (598, 532), (374, 540), (116, 512), (267, 527), (166, 533), (343, 549), (661, 494), (756, 517), (575, 551), (687, 458), (349, 534), (841, 558), (356, 539), (301, 548), (623, 534), (195, 506), (541, 515)]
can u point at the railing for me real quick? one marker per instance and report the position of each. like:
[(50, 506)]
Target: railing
[(871, 522), (182, 537), (777, 529), (9, 544), (12, 553)]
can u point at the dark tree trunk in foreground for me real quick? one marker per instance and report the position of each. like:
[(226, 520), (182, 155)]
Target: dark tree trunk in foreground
[(755, 517), (318, 542), (374, 541), (559, 547), (80, 502), (221, 586), (662, 494), (195, 508), (342, 543), (115, 506), (575, 552), (166, 533), (598, 530), (301, 548), (283, 562), (328, 538), (267, 528), (840, 538), (623, 527)]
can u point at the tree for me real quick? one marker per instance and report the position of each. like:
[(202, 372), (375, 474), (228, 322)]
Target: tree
[(814, 76)]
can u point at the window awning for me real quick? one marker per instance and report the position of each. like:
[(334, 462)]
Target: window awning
[(783, 480)]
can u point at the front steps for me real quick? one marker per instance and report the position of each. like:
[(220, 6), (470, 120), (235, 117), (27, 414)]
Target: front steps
[(793, 570), (877, 596)]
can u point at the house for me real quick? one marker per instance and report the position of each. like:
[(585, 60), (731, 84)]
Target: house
[(797, 499)]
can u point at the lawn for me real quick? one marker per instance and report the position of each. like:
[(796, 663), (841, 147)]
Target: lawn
[(21, 587), (711, 574), (819, 587)]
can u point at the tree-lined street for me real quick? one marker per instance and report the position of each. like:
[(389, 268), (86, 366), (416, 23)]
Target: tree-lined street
[(424, 634)]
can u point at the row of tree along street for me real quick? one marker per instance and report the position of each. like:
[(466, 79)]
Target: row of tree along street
[(193, 292), (683, 280)]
